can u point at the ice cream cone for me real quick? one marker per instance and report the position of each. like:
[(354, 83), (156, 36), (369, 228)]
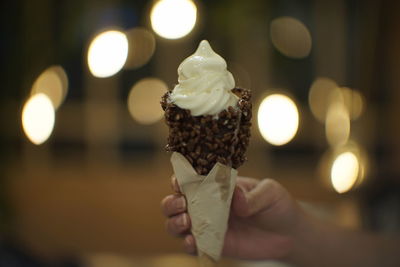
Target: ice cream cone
[(209, 130)]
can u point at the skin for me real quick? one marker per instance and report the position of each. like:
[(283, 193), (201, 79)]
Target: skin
[(267, 223)]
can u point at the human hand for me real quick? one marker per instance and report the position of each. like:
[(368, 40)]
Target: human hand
[(264, 221)]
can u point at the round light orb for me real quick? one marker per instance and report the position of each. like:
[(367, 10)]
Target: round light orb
[(344, 172), (142, 45), (291, 37), (38, 118), (278, 119), (337, 124), (173, 19), (319, 97), (144, 100), (354, 102), (107, 53), (53, 82)]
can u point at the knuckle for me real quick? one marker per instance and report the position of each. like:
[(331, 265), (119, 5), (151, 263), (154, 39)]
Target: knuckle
[(178, 224), (265, 196), (272, 187), (165, 200), (276, 193), (173, 204), (270, 182)]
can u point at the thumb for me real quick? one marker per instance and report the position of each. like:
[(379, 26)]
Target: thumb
[(261, 198)]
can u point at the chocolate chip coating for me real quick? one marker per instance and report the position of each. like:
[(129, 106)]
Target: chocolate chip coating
[(206, 140)]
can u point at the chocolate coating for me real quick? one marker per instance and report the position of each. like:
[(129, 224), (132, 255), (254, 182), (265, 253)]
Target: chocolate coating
[(205, 140)]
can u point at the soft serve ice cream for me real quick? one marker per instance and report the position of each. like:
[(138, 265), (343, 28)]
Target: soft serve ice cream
[(208, 117), (205, 85)]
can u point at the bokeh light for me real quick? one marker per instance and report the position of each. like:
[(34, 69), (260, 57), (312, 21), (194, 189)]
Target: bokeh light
[(278, 119), (345, 172), (38, 118), (290, 37), (107, 53), (144, 100), (337, 125), (142, 45), (353, 101), (324, 92), (53, 82), (173, 19), (319, 97), (334, 173)]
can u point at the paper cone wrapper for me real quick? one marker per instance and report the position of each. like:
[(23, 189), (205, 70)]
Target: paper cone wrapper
[(206, 261), (209, 200)]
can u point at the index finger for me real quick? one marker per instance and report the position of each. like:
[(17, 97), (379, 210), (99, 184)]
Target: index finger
[(175, 185)]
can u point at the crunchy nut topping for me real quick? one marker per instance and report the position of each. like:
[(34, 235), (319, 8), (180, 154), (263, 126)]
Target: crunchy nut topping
[(205, 141)]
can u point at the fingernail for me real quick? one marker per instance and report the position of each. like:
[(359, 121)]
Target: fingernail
[(180, 204), (189, 240), (182, 220), (175, 185), (190, 245)]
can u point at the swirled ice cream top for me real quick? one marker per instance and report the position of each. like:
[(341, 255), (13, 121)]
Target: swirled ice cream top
[(205, 85)]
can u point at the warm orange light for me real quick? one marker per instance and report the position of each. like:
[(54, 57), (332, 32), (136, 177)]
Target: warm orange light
[(319, 97), (107, 53), (53, 82), (345, 171), (142, 45), (38, 118), (354, 102), (173, 19), (278, 119), (144, 100), (291, 37), (337, 125)]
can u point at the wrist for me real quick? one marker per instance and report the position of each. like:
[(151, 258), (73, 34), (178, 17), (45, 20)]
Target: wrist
[(309, 236), (303, 233), (319, 243)]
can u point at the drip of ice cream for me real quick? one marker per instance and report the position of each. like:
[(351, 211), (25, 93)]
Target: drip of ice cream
[(205, 85)]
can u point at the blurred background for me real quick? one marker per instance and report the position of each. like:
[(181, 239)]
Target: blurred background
[(83, 166)]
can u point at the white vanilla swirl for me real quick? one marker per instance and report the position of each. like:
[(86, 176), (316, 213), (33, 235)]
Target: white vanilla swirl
[(205, 85)]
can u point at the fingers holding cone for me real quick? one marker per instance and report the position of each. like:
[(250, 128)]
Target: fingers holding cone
[(189, 244), (178, 225), (173, 205), (175, 185)]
